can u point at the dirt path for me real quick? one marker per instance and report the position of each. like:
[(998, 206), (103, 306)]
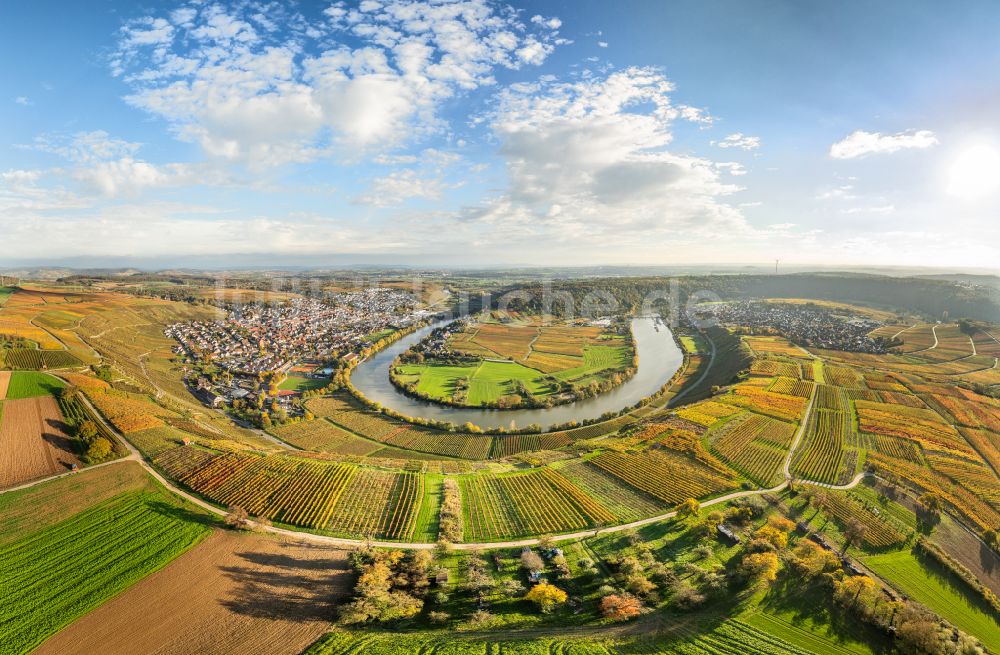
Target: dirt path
[(233, 593), (923, 350), (904, 330)]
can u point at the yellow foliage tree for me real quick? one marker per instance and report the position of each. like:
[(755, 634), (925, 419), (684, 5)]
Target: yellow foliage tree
[(772, 535), (761, 566), (546, 596)]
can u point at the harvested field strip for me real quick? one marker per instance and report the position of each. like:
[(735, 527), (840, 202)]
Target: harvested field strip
[(62, 572), (233, 593), (33, 441), (4, 381)]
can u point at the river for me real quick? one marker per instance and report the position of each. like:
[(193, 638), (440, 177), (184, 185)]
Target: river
[(659, 359)]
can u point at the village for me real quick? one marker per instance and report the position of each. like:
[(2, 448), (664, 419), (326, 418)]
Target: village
[(284, 350), (805, 325)]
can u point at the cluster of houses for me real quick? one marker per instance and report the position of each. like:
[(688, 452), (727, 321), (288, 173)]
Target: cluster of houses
[(260, 339), (806, 325)]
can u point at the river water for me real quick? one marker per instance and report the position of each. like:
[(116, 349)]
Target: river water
[(659, 359)]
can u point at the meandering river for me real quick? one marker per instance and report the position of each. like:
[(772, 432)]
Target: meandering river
[(659, 359)]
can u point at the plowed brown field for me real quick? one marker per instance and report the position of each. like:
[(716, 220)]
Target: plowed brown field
[(4, 381), (33, 441), (233, 593)]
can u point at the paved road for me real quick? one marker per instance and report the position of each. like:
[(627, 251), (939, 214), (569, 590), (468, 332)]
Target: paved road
[(337, 542)]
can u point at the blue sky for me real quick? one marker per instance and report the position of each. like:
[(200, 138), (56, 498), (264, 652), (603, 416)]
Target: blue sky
[(476, 132)]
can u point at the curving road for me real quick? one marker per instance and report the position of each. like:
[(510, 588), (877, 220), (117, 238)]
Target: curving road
[(338, 542)]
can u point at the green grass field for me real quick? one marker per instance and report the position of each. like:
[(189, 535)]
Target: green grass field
[(939, 591), (297, 383), (25, 384), (5, 294), (489, 380), (61, 572)]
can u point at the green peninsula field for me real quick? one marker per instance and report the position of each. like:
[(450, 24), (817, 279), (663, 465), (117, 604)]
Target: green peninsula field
[(507, 362)]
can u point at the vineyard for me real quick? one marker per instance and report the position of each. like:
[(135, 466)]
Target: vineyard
[(35, 360), (335, 497), (792, 387), (648, 471), (781, 406), (623, 500), (541, 501), (823, 452), (755, 445), (879, 532), (774, 368), (707, 413)]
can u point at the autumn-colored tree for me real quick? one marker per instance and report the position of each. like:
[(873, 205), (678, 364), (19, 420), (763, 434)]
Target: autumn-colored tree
[(780, 523), (620, 607), (773, 536), (854, 533), (857, 590), (688, 508), (546, 596), (87, 431), (760, 566), (99, 450)]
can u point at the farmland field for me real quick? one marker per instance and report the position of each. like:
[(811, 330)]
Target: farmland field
[(33, 441), (29, 385), (232, 593), (63, 571)]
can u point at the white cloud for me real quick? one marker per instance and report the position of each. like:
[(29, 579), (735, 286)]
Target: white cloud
[(109, 166), (24, 101), (842, 192), (875, 209), (363, 80), (588, 162), (860, 143), (399, 186), (551, 23), (602, 44), (739, 140), (731, 167)]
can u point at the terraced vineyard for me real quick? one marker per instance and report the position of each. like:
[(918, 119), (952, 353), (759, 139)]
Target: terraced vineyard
[(648, 471), (541, 501), (755, 445), (824, 448)]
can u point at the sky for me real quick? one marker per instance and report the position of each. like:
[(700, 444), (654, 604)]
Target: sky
[(479, 133)]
